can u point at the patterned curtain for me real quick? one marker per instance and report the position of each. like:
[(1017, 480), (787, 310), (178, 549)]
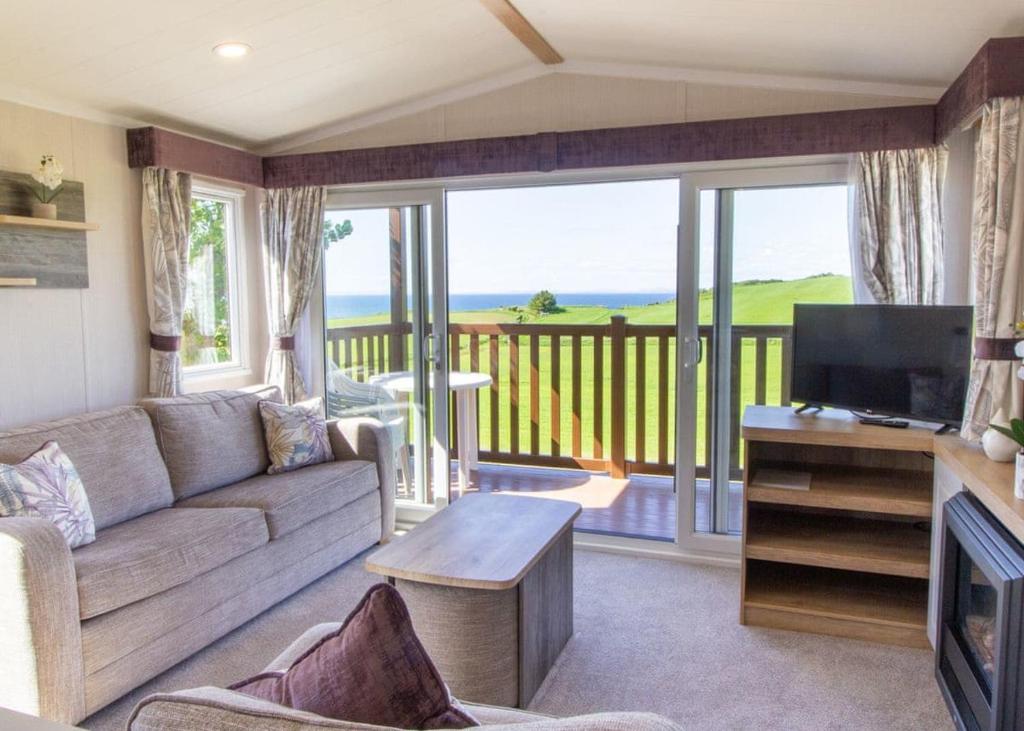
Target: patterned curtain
[(166, 217), (899, 232), (997, 240), (292, 227)]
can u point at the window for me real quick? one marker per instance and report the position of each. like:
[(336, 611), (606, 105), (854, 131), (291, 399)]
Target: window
[(212, 321)]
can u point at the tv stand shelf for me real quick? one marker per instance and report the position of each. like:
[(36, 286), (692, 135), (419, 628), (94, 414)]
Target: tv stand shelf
[(850, 555)]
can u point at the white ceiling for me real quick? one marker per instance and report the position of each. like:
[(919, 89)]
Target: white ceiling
[(317, 62), (314, 61), (902, 41)]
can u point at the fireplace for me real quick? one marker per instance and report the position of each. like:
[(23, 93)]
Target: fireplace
[(981, 622)]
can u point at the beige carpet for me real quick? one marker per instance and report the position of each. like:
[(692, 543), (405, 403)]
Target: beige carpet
[(650, 635)]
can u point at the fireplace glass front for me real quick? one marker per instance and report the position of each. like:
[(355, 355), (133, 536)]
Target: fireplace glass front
[(981, 627), (975, 618)]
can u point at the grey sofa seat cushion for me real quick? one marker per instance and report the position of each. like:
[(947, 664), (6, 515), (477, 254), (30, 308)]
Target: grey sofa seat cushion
[(290, 500), (211, 439), (158, 551), (115, 453), (149, 636)]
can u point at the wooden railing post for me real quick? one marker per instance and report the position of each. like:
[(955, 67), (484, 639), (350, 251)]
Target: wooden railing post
[(617, 465)]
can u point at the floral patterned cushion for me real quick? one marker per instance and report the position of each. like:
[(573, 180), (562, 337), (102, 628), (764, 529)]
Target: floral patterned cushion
[(47, 485), (296, 435)]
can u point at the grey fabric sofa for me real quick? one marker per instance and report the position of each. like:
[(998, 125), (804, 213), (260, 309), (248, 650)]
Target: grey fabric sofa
[(193, 539), (216, 709)]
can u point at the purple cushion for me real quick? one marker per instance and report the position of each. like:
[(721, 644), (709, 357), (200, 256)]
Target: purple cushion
[(373, 670)]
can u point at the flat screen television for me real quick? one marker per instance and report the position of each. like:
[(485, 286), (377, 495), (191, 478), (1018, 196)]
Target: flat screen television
[(894, 360)]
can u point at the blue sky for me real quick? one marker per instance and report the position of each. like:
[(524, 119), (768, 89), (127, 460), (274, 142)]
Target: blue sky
[(605, 237)]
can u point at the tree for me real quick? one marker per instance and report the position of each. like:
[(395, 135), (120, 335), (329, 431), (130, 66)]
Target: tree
[(543, 303), (336, 232), (208, 232)]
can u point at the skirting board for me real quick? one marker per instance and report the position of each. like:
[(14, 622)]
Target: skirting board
[(54, 258)]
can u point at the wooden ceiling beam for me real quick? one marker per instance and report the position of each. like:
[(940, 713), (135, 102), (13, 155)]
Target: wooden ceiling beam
[(522, 29)]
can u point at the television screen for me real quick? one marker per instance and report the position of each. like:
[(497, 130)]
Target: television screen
[(894, 360)]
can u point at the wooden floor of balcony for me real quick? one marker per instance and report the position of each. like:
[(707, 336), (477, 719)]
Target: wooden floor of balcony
[(641, 506)]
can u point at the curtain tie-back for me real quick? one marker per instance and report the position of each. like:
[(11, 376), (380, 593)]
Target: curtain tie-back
[(165, 343), (284, 343), (995, 348)]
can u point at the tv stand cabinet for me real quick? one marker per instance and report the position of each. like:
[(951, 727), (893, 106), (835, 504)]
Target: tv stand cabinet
[(850, 555)]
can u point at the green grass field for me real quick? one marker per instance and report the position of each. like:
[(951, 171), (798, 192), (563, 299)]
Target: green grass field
[(754, 303)]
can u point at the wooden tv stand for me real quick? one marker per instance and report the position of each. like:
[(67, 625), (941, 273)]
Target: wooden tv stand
[(850, 555)]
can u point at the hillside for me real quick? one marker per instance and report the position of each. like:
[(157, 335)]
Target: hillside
[(754, 303)]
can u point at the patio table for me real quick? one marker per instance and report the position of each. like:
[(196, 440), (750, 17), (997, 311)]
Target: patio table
[(465, 385)]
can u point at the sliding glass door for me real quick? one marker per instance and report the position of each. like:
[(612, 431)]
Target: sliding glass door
[(606, 337), (383, 307), (763, 241), (563, 309)]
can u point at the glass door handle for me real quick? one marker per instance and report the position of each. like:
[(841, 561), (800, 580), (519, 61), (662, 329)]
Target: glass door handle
[(431, 353), (694, 352)]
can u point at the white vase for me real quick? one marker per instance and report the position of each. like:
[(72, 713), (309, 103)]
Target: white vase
[(998, 447), (44, 210), (1018, 477)]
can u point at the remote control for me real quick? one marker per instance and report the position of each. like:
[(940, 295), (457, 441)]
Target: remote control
[(891, 423)]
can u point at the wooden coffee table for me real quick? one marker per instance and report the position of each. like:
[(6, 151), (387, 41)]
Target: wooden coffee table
[(488, 582)]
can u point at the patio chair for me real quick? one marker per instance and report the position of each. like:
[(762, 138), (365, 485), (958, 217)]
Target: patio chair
[(348, 397)]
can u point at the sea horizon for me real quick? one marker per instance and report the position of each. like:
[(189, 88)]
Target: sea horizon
[(364, 305)]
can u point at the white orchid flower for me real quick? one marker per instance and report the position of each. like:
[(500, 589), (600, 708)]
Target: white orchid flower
[(50, 176)]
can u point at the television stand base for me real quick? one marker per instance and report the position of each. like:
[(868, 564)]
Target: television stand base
[(945, 428), (807, 407)]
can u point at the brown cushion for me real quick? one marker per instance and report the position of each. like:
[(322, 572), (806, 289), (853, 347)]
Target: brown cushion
[(292, 499), (373, 670), (115, 454), (209, 439), (158, 551)]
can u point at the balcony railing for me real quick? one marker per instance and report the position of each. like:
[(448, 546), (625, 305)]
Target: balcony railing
[(596, 397)]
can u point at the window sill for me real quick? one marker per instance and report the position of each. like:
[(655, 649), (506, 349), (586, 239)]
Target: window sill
[(202, 375)]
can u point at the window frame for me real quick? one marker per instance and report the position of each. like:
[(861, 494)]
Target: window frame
[(234, 233)]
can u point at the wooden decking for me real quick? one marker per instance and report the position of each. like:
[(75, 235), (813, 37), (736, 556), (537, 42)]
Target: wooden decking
[(641, 506)]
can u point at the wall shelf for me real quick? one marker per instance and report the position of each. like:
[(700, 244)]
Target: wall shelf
[(9, 220), (54, 252)]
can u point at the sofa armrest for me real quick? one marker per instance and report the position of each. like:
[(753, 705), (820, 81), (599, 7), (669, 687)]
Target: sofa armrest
[(40, 631), (370, 440), (299, 647), (214, 709)]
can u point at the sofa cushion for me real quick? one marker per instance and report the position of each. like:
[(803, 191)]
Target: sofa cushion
[(292, 499), (116, 456), (157, 551), (372, 670), (296, 435), (209, 439), (47, 486)]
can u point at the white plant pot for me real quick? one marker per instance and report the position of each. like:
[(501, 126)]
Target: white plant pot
[(998, 447), (44, 210), (1018, 477)]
